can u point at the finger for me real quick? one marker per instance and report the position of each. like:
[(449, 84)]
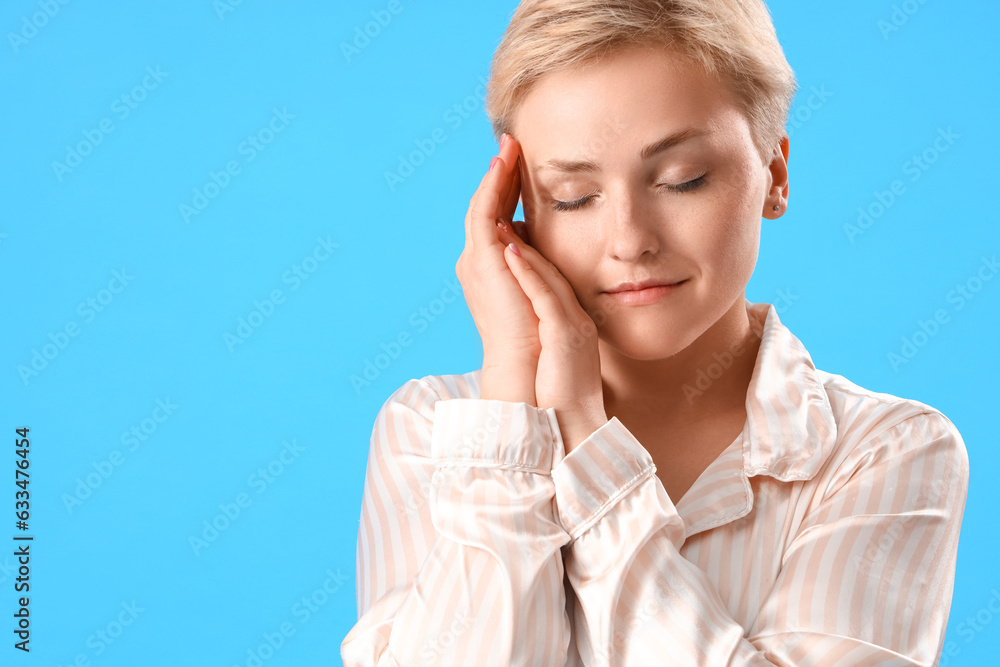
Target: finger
[(468, 212), (547, 304), (472, 202), (511, 153), (509, 202), (547, 271), (486, 206)]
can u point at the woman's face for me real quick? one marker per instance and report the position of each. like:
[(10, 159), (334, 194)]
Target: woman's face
[(605, 207)]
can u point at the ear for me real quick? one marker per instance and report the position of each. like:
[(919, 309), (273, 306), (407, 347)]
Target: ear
[(777, 194)]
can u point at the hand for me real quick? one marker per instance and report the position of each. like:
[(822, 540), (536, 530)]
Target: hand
[(568, 375), (502, 312)]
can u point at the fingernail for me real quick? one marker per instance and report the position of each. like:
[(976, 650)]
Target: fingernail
[(502, 225), (514, 249), (494, 161), (503, 138)]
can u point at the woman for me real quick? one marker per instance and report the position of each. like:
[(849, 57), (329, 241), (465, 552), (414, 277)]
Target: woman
[(648, 468)]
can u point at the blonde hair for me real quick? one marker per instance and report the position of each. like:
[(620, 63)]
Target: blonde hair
[(733, 40)]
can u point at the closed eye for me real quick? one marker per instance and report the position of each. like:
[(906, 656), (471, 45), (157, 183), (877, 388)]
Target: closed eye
[(560, 205), (694, 184), (686, 187)]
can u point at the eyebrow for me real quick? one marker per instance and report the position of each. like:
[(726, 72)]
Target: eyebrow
[(586, 166)]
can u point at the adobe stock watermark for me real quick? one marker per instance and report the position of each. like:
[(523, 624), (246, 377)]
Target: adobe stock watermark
[(787, 643), (915, 167), (262, 310), (30, 25), (972, 626), (107, 635), (363, 35), (7, 569), (420, 320), (466, 449), (88, 309), (878, 551), (454, 116), (959, 296), (653, 606), (706, 377), (802, 113), (122, 106), (436, 649), (248, 149), (303, 610), (258, 481), (901, 13), (223, 7), (131, 439)]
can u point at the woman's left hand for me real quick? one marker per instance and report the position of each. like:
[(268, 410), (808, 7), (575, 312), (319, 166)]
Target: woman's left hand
[(568, 377)]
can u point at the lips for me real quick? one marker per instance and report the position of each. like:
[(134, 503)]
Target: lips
[(642, 284), (645, 296)]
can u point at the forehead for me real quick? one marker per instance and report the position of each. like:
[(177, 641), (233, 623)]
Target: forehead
[(621, 99)]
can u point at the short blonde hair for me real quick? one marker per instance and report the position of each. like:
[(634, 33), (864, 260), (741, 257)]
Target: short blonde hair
[(733, 40)]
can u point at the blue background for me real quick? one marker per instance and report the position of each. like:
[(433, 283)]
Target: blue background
[(224, 72)]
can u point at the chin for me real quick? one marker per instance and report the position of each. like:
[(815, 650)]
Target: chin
[(646, 338)]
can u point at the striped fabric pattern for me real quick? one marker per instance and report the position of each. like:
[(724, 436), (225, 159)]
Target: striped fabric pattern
[(825, 534)]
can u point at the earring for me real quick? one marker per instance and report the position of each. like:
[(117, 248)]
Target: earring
[(776, 207)]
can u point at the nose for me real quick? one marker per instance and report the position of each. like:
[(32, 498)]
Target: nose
[(631, 226)]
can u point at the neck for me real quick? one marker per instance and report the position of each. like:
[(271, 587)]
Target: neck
[(708, 378)]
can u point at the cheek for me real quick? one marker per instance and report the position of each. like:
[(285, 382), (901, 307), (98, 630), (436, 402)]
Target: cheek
[(729, 229), (738, 240), (570, 253)]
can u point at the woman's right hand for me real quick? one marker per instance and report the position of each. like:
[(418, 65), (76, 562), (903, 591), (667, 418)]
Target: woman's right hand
[(502, 312)]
